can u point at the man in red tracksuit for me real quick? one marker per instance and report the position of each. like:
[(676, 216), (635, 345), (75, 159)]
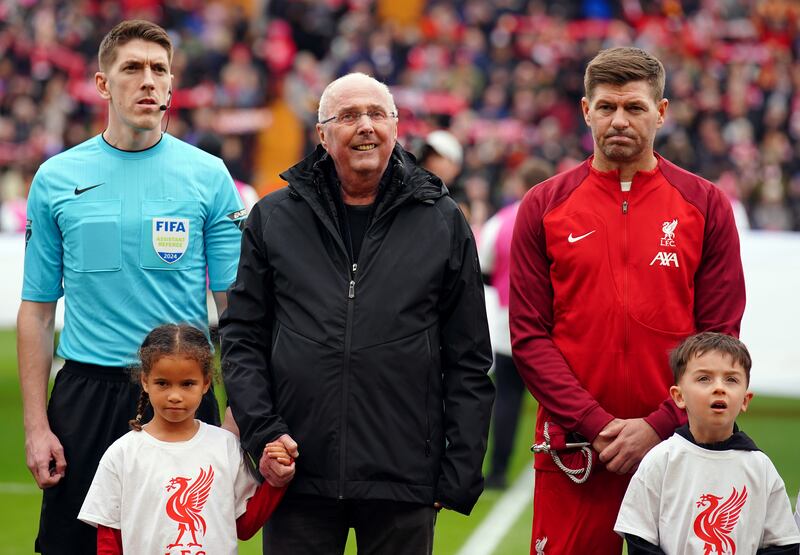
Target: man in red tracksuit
[(613, 263)]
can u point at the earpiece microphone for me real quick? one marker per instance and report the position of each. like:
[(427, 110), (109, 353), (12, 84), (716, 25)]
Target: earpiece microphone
[(164, 107)]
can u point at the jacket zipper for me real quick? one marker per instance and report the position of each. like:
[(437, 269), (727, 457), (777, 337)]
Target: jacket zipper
[(348, 336), (625, 300)]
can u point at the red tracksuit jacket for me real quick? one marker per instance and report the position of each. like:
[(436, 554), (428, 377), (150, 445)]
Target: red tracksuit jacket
[(605, 283)]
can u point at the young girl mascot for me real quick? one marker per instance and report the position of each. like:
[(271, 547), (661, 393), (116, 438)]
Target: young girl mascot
[(175, 485)]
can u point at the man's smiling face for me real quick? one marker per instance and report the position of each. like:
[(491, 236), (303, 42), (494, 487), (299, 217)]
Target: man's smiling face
[(360, 149)]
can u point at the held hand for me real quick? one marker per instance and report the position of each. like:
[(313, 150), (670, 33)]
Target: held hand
[(44, 456), (635, 439), (277, 450), (290, 444), (608, 434), (274, 472)]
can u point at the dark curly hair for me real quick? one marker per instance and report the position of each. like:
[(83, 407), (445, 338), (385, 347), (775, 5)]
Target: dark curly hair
[(170, 340)]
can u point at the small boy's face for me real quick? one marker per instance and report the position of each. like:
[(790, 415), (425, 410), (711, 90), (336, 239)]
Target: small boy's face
[(713, 390)]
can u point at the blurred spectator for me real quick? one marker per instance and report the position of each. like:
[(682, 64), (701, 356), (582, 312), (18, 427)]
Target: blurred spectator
[(494, 252), (442, 155), (212, 144), (503, 77)]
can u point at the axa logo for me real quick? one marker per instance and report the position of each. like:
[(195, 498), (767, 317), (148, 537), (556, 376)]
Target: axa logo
[(666, 259), (668, 229), (185, 507), (714, 525)]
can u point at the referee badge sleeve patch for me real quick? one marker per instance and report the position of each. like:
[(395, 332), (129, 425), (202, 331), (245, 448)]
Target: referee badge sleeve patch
[(28, 231), (239, 218), (170, 238)]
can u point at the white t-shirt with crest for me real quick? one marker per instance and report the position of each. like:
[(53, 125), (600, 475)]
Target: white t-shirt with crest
[(687, 500), (172, 498)]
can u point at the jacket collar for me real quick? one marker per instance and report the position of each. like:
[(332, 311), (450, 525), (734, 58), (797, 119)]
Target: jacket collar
[(641, 179), (408, 180), (738, 441)]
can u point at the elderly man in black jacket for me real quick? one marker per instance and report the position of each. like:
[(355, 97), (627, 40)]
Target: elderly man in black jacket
[(356, 332)]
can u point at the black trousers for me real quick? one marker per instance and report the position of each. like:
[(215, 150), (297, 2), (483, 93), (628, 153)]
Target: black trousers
[(310, 525), (89, 409), (507, 404)]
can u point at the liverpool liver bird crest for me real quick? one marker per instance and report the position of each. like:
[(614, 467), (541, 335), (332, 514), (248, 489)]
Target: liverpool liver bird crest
[(668, 228), (185, 505), (715, 524)]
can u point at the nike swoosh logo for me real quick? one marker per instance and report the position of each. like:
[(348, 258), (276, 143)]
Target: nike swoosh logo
[(572, 239), (81, 191)]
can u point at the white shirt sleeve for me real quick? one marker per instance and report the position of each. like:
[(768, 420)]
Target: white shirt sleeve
[(244, 484), (640, 511), (103, 503), (779, 527), (797, 511)]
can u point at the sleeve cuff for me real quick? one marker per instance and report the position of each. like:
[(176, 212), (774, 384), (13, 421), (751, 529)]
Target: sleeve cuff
[(665, 419), (37, 297), (594, 422)]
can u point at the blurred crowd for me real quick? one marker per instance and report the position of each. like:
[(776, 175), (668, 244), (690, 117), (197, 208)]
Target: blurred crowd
[(504, 78)]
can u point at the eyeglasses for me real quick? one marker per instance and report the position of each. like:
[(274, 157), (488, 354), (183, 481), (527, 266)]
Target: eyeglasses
[(350, 118)]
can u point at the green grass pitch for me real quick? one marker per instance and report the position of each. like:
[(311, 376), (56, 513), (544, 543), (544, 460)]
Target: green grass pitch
[(772, 422)]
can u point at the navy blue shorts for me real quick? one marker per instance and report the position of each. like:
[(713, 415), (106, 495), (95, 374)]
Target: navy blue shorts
[(89, 409)]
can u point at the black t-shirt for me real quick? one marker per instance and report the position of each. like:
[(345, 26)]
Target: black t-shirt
[(357, 220)]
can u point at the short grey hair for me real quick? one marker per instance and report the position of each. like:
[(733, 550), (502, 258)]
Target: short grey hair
[(329, 94)]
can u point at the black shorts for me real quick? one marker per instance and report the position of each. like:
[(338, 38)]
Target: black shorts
[(89, 409)]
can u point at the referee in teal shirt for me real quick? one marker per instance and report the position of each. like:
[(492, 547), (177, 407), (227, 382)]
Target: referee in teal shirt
[(126, 227)]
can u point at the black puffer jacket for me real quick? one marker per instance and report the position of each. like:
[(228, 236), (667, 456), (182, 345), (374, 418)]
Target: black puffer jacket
[(379, 371)]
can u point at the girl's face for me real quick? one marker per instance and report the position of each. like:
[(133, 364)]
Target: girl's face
[(176, 386)]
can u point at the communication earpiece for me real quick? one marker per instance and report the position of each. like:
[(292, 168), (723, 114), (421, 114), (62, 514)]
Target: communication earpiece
[(164, 107)]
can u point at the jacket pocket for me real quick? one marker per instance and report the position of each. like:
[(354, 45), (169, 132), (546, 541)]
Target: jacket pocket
[(433, 390), (305, 380), (171, 235), (393, 414), (93, 236)]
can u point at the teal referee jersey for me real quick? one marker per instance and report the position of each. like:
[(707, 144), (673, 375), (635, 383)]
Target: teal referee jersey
[(126, 238)]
